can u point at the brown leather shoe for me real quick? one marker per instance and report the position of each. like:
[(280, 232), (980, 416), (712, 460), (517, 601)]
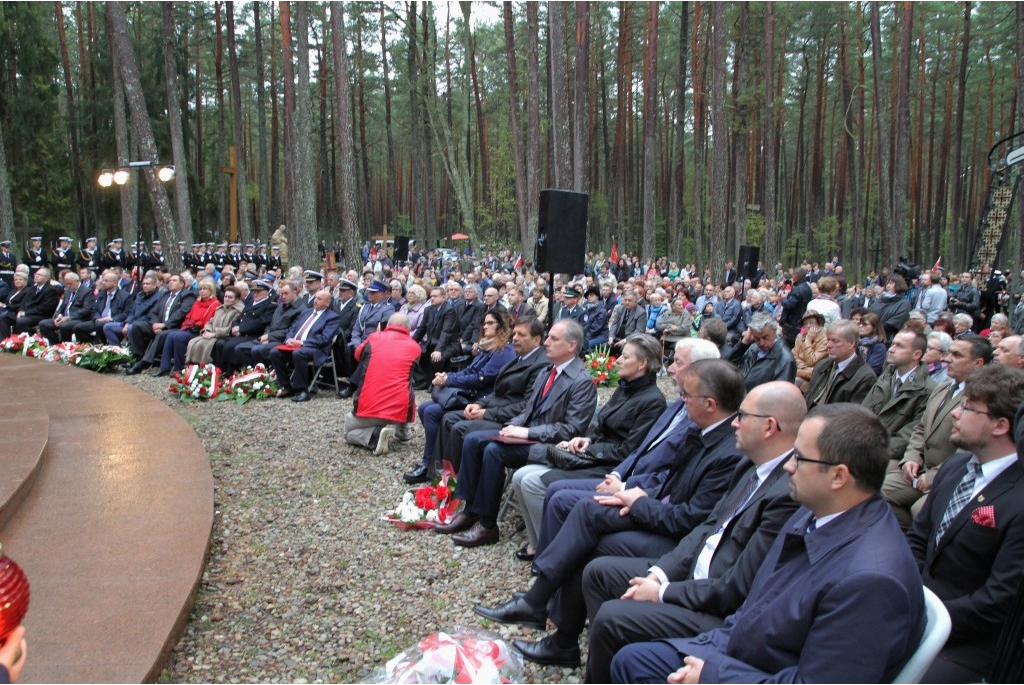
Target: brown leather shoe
[(477, 536), (461, 522)]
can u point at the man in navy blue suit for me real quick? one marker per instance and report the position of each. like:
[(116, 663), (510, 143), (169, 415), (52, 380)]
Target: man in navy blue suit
[(837, 599), (308, 340), (969, 537)]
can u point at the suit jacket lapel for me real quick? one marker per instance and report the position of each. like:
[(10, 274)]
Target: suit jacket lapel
[(1000, 486)]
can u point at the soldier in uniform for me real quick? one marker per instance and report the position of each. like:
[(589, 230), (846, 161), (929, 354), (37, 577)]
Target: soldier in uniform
[(35, 257), (87, 256), (156, 257), (260, 258), (274, 260), (113, 257), (8, 262), (183, 253), (234, 256), (195, 258), (208, 253), (220, 257), (249, 257), (63, 259)]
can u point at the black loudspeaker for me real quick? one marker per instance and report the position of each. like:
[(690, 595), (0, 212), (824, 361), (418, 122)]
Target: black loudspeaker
[(746, 265), (562, 231), (401, 248)]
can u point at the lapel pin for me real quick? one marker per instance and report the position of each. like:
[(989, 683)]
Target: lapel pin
[(981, 498)]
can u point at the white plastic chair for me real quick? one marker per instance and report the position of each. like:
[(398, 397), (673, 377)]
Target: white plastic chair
[(936, 630)]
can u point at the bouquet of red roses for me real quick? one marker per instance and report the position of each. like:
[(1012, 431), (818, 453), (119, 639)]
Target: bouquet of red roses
[(601, 365), (429, 505), (25, 344), (252, 383)]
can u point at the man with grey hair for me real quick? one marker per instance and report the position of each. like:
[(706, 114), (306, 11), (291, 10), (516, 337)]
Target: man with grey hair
[(469, 314), (75, 308), (760, 355), (932, 298), (1006, 353), (843, 376), (626, 319)]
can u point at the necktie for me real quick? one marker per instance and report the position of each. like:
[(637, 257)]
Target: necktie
[(812, 525), (676, 420), (961, 496), (823, 395), (304, 329), (551, 381), (950, 394), (106, 307), (897, 385), (170, 303), (748, 489)]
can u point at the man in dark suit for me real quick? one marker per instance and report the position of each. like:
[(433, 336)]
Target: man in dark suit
[(794, 305), (75, 307), (469, 313), (843, 376), (258, 349), (109, 304), (308, 340), (707, 576), (247, 328), (839, 579), (347, 305), (760, 355), (969, 537), (730, 275), (560, 407), (40, 302), (511, 389), (140, 308), (437, 335), (146, 338), (626, 319), (910, 478), (634, 521)]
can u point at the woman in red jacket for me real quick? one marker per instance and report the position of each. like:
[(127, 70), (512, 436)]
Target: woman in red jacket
[(173, 357)]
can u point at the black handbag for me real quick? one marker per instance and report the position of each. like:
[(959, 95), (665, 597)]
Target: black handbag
[(451, 398), (564, 460)]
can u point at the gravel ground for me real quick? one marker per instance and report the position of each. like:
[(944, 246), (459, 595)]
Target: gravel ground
[(304, 583)]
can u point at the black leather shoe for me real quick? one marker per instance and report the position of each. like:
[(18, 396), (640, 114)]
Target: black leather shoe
[(137, 368), (516, 611), (420, 474), (159, 373), (545, 651), (477, 536), (346, 393), (523, 555), (461, 522), (301, 397)]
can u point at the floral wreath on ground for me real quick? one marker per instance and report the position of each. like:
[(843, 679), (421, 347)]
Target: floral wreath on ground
[(84, 355), (459, 655), (601, 365), (207, 382), (427, 506)]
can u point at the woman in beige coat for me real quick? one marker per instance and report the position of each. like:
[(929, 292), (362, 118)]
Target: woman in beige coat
[(810, 347), (200, 348)]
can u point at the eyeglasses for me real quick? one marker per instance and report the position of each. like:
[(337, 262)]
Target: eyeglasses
[(740, 414), (800, 458), (964, 407), (686, 396)]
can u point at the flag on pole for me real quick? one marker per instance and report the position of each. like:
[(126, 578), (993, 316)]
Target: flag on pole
[(519, 263), (938, 265), (615, 251)]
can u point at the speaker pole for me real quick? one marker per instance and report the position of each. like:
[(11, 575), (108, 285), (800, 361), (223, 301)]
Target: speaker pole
[(551, 300)]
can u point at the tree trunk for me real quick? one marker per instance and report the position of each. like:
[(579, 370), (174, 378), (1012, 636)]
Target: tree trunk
[(518, 153), (128, 192), (262, 175), (346, 155), (181, 194), (241, 175), (392, 179), (957, 179), (581, 101), (699, 135), (6, 208), (677, 207), (901, 143), (221, 146), (1018, 204), (650, 129), (121, 44), (302, 236), (561, 143), (79, 182), (889, 242), (533, 125), (720, 133), (771, 238)]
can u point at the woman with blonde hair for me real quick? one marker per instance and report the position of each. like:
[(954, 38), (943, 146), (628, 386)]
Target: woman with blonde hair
[(200, 348), (173, 355), (415, 302)]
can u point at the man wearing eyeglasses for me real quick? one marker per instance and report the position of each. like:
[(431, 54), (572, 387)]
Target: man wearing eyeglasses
[(634, 521), (908, 480), (707, 576), (969, 537), (838, 597)]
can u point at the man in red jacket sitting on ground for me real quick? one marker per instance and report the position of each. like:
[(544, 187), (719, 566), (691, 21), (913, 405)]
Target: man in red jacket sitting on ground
[(385, 398)]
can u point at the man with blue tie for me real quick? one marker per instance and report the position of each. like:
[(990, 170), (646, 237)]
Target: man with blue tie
[(308, 340), (110, 304)]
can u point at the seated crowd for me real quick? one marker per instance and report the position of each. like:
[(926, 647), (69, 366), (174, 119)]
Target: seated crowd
[(828, 455)]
